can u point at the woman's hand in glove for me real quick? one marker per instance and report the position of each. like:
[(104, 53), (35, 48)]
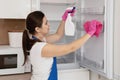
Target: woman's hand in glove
[(71, 11), (90, 27)]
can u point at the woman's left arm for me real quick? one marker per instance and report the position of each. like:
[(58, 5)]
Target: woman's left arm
[(58, 35)]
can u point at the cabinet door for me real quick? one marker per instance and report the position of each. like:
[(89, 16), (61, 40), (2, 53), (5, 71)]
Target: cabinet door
[(14, 8), (97, 53)]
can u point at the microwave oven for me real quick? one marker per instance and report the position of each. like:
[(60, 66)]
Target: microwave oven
[(11, 61)]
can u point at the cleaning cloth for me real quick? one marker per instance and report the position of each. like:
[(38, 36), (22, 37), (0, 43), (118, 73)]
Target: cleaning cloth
[(95, 23)]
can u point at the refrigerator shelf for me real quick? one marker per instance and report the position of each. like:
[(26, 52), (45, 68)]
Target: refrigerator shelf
[(91, 11), (58, 3)]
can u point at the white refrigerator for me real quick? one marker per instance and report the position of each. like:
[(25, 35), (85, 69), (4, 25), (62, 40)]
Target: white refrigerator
[(97, 53)]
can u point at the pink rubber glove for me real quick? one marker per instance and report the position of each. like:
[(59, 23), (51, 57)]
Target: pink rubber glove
[(99, 28), (64, 16), (90, 27)]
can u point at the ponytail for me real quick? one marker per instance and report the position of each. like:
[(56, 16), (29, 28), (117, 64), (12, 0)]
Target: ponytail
[(27, 44)]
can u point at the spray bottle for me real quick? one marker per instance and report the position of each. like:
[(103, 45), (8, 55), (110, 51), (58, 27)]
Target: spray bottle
[(69, 25)]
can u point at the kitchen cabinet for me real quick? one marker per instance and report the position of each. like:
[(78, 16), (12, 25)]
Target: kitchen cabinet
[(17, 8), (98, 57)]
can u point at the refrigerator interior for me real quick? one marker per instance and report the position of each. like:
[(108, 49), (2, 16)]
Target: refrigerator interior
[(85, 10), (93, 53)]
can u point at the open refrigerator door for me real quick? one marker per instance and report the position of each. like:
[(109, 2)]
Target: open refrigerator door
[(97, 53)]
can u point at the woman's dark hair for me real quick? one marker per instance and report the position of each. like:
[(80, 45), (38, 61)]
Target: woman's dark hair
[(33, 20)]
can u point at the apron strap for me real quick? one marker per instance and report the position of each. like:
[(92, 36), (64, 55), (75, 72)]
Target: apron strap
[(53, 73)]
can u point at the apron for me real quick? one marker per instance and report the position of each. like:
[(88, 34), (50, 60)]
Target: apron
[(53, 73)]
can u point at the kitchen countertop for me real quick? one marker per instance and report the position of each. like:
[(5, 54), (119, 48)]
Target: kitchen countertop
[(25, 76)]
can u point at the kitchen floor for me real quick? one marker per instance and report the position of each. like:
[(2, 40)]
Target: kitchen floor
[(16, 77)]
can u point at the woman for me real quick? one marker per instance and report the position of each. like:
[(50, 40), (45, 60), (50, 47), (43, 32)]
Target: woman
[(41, 47)]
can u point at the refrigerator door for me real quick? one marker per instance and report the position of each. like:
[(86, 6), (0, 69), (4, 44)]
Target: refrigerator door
[(97, 53)]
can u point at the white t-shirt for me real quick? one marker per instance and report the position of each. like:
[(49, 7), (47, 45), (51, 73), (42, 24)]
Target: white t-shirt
[(41, 66)]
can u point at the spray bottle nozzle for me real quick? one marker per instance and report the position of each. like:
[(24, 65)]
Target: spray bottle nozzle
[(72, 10)]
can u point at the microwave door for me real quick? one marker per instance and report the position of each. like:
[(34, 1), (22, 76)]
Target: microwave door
[(97, 53)]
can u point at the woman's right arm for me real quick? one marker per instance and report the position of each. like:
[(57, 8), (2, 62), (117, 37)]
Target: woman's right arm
[(52, 50)]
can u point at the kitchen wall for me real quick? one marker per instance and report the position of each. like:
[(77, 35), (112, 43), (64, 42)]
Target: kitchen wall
[(9, 25)]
